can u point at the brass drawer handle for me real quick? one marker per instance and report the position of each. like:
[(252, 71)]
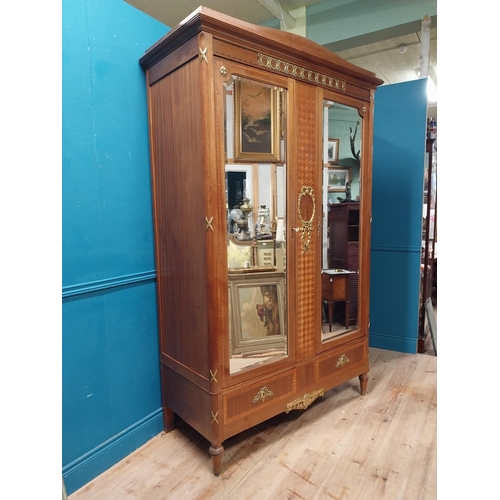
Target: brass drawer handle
[(263, 393), (343, 360)]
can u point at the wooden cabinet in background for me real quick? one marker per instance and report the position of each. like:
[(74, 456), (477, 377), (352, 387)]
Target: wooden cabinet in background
[(241, 338), (343, 230)]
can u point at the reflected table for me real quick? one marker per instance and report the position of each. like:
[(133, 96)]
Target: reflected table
[(335, 288)]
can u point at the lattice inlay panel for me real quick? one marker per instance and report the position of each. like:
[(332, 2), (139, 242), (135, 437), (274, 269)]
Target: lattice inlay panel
[(306, 121)]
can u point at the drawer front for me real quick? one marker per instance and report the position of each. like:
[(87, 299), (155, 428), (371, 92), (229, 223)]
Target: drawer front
[(343, 359), (254, 397), (265, 254)]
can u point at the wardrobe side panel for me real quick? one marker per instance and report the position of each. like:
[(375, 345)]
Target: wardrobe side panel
[(178, 195)]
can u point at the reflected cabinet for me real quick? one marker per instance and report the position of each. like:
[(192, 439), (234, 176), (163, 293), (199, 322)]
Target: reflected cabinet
[(257, 138)]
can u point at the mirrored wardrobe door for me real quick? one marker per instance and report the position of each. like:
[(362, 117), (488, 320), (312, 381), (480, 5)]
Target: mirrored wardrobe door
[(255, 197), (341, 195)]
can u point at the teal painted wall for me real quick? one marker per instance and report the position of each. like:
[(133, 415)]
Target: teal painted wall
[(398, 176), (111, 400)]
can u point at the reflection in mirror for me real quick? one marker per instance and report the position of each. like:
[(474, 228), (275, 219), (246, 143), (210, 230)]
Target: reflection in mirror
[(342, 127), (255, 176)]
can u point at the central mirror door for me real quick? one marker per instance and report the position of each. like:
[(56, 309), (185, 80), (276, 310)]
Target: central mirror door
[(342, 174), (255, 187)]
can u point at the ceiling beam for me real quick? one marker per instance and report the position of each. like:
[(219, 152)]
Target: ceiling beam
[(344, 24)]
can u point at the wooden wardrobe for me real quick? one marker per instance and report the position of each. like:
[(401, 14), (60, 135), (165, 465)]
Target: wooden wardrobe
[(242, 331)]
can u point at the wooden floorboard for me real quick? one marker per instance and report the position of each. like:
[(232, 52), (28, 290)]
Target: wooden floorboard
[(344, 446)]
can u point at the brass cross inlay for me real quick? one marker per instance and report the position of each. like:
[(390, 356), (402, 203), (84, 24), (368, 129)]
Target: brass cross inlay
[(209, 223), (214, 417), (203, 54), (213, 376)]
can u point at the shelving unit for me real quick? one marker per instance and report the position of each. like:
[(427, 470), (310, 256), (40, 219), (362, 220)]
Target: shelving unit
[(343, 222)]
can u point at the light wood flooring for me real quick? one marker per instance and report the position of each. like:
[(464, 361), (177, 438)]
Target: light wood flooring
[(344, 446)]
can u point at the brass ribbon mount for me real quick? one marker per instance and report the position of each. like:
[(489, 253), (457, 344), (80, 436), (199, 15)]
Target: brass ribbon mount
[(307, 225), (263, 393)]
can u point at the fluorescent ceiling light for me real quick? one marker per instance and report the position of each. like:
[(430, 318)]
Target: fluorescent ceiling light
[(274, 7)]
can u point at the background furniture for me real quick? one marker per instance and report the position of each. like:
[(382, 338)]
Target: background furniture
[(428, 264), (343, 222), (196, 78), (335, 288)]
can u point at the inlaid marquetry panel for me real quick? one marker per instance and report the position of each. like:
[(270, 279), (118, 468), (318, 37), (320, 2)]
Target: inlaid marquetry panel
[(307, 161)]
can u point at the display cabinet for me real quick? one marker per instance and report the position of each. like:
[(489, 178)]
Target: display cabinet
[(238, 119)]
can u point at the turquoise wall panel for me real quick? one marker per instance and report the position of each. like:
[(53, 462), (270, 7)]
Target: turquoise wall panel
[(394, 317), (110, 362), (398, 176), (111, 385), (111, 398), (107, 216)]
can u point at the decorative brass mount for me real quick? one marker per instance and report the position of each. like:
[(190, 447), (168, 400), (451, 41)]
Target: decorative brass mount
[(263, 393), (305, 401), (343, 360), (203, 54), (307, 225), (299, 72)]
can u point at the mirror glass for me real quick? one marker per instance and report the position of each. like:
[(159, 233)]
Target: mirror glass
[(255, 176), (342, 128)]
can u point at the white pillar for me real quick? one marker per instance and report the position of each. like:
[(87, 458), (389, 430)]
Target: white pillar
[(425, 47), (300, 26)]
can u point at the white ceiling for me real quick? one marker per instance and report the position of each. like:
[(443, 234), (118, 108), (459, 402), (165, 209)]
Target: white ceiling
[(388, 61), (386, 58)]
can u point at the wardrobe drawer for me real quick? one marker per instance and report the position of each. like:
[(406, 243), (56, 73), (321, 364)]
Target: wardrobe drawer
[(341, 360), (255, 396)]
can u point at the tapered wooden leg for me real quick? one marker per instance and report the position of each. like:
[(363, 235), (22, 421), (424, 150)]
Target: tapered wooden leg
[(363, 380), (216, 451), (330, 315), (168, 419)]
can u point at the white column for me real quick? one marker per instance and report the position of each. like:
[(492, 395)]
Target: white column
[(300, 26)]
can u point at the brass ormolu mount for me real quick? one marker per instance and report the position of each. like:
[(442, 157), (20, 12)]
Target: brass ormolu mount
[(305, 401)]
